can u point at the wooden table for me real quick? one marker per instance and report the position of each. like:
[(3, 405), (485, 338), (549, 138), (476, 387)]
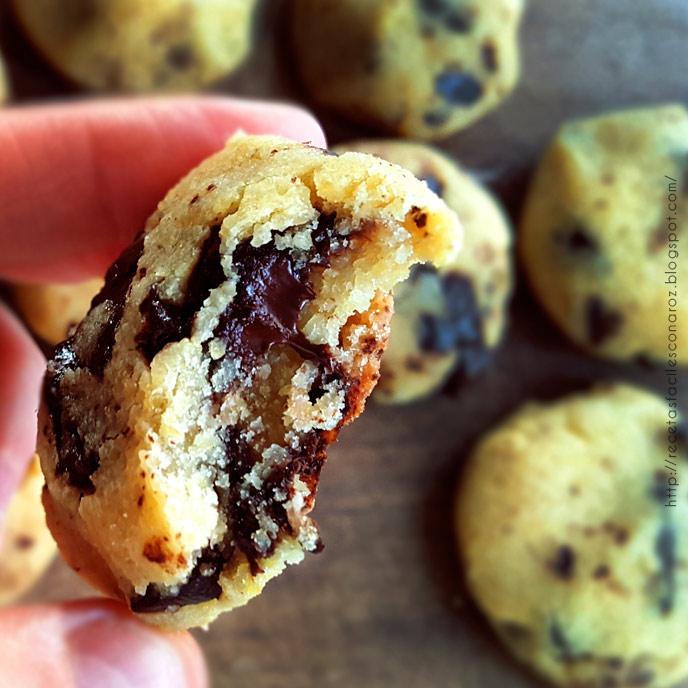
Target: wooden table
[(383, 605)]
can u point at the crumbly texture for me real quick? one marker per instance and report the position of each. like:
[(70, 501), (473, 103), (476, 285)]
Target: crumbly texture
[(51, 311), (129, 45), (448, 320), (600, 228), (569, 546), (184, 425), (419, 68), (26, 545)]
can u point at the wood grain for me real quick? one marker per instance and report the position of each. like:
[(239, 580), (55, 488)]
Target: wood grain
[(383, 605)]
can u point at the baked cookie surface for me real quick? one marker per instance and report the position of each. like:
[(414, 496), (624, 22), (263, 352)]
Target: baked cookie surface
[(419, 68), (26, 545), (51, 310), (447, 320), (603, 220), (184, 425), (129, 45), (574, 541)]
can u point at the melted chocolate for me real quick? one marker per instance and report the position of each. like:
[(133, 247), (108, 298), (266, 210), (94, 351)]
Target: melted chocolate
[(165, 321), (564, 564), (271, 292), (665, 548), (201, 586)]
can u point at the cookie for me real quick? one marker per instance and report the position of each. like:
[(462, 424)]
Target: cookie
[(601, 230), (184, 425), (418, 68), (447, 320), (4, 82), (50, 311), (26, 546), (572, 522), (128, 45)]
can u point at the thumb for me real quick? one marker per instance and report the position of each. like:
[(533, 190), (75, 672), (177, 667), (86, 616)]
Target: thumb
[(93, 644)]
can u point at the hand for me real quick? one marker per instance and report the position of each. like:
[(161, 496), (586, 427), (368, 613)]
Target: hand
[(77, 182)]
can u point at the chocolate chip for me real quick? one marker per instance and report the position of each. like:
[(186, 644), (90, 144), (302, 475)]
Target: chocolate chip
[(665, 549), (24, 542), (577, 239), (436, 118), (488, 53), (564, 562), (180, 57), (165, 321), (201, 586), (602, 322), (271, 292), (602, 571), (563, 647), (436, 7), (458, 88), (460, 20), (642, 677), (434, 183)]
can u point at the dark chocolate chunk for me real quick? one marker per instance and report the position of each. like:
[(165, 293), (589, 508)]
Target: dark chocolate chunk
[(435, 7), (665, 548), (434, 183), (563, 647), (577, 239), (165, 321), (602, 322), (180, 57), (460, 20), (201, 586), (488, 53), (271, 292), (72, 458), (460, 329), (564, 563), (458, 88), (436, 118)]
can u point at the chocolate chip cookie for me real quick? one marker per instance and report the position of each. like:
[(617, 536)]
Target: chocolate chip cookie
[(26, 545), (419, 68), (447, 320), (601, 230), (572, 522), (50, 311), (128, 45), (184, 425)]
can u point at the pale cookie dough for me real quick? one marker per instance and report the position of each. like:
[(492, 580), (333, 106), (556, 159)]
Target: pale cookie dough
[(26, 545), (50, 311), (448, 321), (130, 45), (184, 425), (601, 233), (418, 68), (575, 544)]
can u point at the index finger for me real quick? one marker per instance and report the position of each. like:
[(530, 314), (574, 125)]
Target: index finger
[(78, 180)]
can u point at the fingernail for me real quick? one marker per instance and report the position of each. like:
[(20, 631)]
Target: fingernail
[(114, 650)]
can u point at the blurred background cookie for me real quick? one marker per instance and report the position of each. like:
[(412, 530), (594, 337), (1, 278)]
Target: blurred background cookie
[(51, 310), (4, 84), (26, 546), (601, 227), (128, 45), (446, 322), (575, 544), (420, 68)]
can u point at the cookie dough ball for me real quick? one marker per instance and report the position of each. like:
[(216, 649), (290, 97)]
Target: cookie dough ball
[(447, 320), (184, 425), (129, 45), (26, 545), (51, 310), (419, 68), (573, 528), (601, 229)]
